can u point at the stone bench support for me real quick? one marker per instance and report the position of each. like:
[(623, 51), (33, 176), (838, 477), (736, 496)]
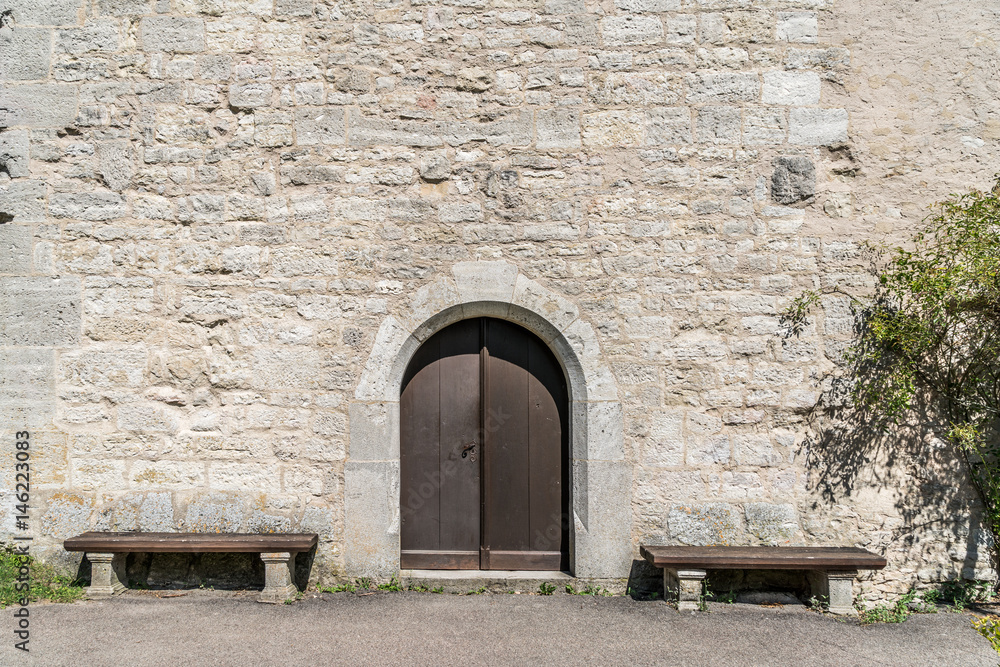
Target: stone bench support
[(685, 586), (107, 574), (837, 587), (279, 573)]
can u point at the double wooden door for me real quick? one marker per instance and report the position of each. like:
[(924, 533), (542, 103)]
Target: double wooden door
[(484, 452)]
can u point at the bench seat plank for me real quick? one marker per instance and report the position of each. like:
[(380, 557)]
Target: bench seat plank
[(763, 558), (109, 542)]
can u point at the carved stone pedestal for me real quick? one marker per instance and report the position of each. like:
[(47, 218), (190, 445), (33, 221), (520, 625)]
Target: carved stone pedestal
[(685, 586), (837, 587), (107, 570), (279, 572)]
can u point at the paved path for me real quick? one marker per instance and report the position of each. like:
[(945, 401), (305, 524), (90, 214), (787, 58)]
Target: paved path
[(220, 628)]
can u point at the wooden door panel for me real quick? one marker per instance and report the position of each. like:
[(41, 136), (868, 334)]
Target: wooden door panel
[(439, 415), (525, 448), (506, 450), (492, 385), (546, 393)]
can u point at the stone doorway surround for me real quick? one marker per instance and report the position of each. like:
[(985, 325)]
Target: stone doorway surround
[(600, 498)]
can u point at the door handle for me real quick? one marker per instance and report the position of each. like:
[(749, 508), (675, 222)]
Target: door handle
[(467, 450)]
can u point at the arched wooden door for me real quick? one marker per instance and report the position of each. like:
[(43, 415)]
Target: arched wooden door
[(484, 452)]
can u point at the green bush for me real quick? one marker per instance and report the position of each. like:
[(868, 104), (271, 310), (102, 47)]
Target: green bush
[(989, 627)]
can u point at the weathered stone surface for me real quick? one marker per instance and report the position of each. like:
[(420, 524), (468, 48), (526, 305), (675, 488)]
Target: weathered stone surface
[(25, 53), (39, 104), (790, 88), (718, 87), (42, 311), (27, 388), (14, 153), (43, 12), (321, 125), (172, 34), (793, 179), (15, 249), (115, 159), (87, 205), (772, 524), (558, 128), (707, 524), (628, 30), (817, 127)]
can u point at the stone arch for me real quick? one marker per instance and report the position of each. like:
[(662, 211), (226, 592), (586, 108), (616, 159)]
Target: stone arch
[(600, 498)]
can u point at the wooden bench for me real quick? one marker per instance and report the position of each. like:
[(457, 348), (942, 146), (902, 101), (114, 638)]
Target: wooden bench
[(106, 553), (831, 570)]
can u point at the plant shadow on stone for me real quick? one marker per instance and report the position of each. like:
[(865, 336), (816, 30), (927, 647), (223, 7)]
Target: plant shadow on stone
[(914, 403)]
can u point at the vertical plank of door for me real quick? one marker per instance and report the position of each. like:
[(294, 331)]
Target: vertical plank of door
[(506, 428), (420, 417), (546, 391), (460, 418)]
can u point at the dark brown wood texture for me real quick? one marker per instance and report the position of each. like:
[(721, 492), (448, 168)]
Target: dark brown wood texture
[(492, 389), (190, 542), (524, 430), (764, 558), (439, 420)]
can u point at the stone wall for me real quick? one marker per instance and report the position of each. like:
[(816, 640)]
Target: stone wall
[(209, 208)]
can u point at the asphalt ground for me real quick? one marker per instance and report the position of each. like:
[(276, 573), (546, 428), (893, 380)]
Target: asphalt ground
[(225, 628)]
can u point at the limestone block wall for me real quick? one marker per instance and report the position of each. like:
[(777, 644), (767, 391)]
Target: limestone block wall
[(209, 207)]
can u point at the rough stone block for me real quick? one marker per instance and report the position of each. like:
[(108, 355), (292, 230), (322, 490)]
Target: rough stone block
[(558, 128), (793, 179), (603, 439), (98, 474), (631, 30), (114, 159), (706, 451), (648, 6), (723, 87), (613, 129), (817, 127), (87, 205), (14, 153), (800, 27), (320, 126), (166, 474), (43, 12), (485, 281), (40, 311), (123, 7), (762, 126), (147, 418), (718, 125), (670, 125), (250, 95), (755, 450), (371, 519), (95, 35), (704, 525), (374, 431), (39, 104), (112, 367), (172, 34), (15, 249), (25, 53), (23, 201), (27, 388), (790, 88), (295, 261), (772, 524)]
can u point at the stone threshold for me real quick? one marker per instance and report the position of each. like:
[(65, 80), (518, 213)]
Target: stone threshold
[(494, 581)]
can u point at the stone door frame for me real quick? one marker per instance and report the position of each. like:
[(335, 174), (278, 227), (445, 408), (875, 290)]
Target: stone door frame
[(600, 498)]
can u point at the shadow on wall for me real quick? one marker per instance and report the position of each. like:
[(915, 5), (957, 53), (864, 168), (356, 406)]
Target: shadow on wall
[(853, 457)]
